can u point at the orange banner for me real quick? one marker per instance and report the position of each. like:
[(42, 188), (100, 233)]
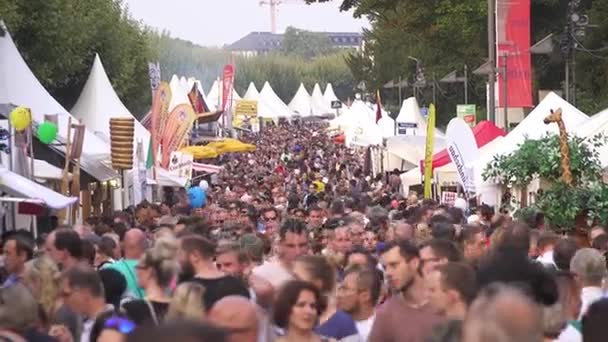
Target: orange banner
[(178, 125), (159, 114)]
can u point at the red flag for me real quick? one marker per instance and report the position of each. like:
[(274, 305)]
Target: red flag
[(227, 85), (197, 101), (378, 106)]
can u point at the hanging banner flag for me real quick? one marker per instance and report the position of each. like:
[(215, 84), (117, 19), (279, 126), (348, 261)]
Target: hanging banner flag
[(160, 106), (227, 80), (179, 124), (462, 149), (513, 41), (378, 106), (181, 164), (139, 176), (428, 153), (197, 101), (154, 73)]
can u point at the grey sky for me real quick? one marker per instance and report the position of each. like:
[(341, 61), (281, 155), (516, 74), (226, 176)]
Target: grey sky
[(219, 22)]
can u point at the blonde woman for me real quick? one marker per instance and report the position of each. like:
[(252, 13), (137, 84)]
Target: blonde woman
[(187, 303), (156, 269), (41, 276)]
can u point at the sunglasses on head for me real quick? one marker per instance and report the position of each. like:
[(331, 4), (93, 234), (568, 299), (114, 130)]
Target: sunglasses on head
[(121, 324)]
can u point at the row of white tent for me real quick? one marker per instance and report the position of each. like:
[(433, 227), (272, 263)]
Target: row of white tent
[(531, 127)]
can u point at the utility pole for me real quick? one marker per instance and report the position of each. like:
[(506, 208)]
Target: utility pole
[(505, 58), (434, 91), (492, 61), (400, 96), (466, 84)]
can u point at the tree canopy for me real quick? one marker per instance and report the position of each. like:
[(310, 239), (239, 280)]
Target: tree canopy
[(447, 34)]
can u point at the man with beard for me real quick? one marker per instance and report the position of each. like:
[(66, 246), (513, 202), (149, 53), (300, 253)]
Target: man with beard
[(196, 258), (406, 316), (358, 295)]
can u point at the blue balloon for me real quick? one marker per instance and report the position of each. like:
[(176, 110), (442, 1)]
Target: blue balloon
[(197, 197)]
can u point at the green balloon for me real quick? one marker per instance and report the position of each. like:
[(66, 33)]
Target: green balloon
[(47, 132)]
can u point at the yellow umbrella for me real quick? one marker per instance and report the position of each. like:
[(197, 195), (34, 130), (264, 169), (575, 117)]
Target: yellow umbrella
[(230, 146), (201, 152)]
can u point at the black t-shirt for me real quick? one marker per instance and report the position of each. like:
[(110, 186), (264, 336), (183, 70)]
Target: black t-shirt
[(218, 288), (139, 311)]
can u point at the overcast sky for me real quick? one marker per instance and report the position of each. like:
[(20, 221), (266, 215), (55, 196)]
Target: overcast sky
[(219, 22)]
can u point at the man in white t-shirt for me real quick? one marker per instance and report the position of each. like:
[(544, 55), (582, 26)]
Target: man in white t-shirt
[(292, 243), (358, 295)]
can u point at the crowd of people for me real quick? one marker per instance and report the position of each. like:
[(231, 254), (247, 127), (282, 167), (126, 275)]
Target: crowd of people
[(299, 242)]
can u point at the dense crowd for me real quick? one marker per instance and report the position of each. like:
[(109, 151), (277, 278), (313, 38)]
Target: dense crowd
[(299, 242)]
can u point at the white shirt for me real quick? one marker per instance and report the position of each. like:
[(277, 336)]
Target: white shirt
[(570, 334), (87, 326), (365, 327), (274, 273), (547, 259), (589, 295)]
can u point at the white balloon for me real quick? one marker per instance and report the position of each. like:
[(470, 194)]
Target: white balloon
[(204, 185)]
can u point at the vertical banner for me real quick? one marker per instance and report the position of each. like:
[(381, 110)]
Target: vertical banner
[(468, 113), (158, 117), (179, 124), (139, 176), (227, 79), (428, 153), (513, 40), (462, 149), (154, 73), (378, 106)]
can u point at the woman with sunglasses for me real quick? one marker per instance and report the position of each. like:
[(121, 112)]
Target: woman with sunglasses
[(156, 270)]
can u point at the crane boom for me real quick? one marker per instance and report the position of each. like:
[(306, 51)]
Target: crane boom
[(274, 6)]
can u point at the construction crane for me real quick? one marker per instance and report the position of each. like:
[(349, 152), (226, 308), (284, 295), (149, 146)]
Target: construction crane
[(274, 6)]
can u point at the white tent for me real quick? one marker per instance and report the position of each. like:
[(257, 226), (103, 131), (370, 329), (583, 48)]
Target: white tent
[(272, 99), (358, 128), (404, 152), (179, 93), (386, 123), (318, 104), (264, 110), (329, 94), (410, 121), (214, 95), (19, 86), (598, 124), (98, 103), (300, 103), (533, 127)]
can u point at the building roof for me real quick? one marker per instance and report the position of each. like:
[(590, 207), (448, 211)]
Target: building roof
[(262, 41)]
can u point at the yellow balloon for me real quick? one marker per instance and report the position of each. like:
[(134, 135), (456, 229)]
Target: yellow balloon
[(20, 118)]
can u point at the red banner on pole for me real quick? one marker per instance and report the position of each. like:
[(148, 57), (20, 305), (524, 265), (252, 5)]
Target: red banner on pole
[(227, 84), (513, 40)]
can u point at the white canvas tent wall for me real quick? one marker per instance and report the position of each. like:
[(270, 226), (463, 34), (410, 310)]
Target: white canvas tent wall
[(404, 152), (410, 114), (19, 87), (533, 127), (301, 101), (264, 110), (318, 104), (268, 95), (598, 124), (98, 103), (179, 94), (386, 123), (358, 128), (329, 95)]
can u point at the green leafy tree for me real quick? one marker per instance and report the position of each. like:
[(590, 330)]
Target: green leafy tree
[(561, 205), (305, 44)]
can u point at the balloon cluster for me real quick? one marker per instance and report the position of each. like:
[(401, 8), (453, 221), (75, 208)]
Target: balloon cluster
[(21, 118)]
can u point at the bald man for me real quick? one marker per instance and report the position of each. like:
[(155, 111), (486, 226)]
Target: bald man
[(238, 316), (134, 246), (502, 314)]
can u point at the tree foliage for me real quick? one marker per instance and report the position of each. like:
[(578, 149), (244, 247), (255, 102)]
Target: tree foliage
[(59, 39), (447, 34), (561, 205), (305, 44)]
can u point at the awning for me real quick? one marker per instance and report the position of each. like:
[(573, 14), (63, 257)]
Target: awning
[(208, 168), (18, 185)]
